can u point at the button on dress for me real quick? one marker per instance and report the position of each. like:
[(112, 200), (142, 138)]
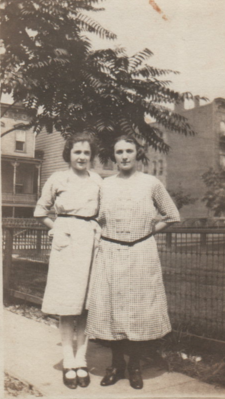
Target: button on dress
[(127, 298), (73, 239)]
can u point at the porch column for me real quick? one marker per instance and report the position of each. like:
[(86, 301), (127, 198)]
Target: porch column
[(38, 180), (14, 164)]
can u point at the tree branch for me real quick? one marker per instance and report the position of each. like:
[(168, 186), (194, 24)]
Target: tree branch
[(20, 126), (8, 108)]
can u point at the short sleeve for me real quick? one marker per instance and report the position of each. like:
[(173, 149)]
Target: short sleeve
[(47, 199), (165, 204), (96, 178)]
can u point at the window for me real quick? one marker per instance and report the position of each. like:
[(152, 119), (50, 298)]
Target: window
[(19, 146), (20, 141), (160, 168), (19, 188)]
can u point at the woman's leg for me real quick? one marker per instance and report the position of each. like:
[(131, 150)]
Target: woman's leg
[(82, 340), (117, 348), (66, 327), (116, 371), (80, 358), (134, 348), (134, 368)]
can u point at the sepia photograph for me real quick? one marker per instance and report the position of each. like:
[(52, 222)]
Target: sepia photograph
[(113, 199)]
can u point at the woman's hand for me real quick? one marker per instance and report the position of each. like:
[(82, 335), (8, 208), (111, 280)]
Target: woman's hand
[(51, 233), (48, 223), (159, 226)]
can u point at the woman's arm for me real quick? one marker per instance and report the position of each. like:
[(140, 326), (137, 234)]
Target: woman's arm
[(47, 221), (165, 207), (46, 201), (159, 226)]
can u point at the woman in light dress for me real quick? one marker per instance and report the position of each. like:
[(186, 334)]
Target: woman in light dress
[(127, 301), (74, 193)]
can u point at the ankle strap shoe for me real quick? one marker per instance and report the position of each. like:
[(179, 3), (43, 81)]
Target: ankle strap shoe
[(69, 382), (83, 382)]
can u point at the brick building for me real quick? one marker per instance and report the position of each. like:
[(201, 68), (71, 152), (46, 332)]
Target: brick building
[(20, 168), (190, 157)]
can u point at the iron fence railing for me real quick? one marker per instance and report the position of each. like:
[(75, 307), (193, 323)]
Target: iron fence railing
[(193, 265)]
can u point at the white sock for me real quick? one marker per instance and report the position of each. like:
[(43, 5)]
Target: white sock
[(81, 373), (71, 374), (80, 357), (68, 357)]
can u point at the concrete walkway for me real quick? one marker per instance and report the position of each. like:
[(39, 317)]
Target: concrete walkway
[(33, 355)]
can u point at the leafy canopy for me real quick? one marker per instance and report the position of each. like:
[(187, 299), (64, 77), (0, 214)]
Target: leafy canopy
[(182, 197), (214, 197), (49, 65)]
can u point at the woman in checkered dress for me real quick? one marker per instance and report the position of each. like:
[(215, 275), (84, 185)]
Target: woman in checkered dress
[(127, 300)]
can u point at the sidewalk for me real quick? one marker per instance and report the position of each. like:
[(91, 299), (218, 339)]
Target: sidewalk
[(32, 353)]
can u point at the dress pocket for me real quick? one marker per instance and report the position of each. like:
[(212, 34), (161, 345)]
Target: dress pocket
[(60, 240)]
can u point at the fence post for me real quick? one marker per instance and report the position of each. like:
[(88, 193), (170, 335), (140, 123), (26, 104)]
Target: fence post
[(39, 240), (168, 240), (203, 240), (7, 263)]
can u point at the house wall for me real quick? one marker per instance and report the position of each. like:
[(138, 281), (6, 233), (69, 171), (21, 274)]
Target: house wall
[(20, 168), (190, 157), (8, 142), (52, 145)]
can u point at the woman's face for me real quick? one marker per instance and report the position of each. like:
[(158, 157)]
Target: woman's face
[(125, 155), (80, 156)]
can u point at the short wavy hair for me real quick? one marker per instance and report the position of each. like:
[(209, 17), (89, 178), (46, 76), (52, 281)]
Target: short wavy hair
[(76, 138), (128, 139)]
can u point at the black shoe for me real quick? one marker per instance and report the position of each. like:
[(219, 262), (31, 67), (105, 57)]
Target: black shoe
[(69, 382), (83, 381), (135, 378), (112, 376)]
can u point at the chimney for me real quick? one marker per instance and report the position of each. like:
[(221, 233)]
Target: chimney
[(179, 107)]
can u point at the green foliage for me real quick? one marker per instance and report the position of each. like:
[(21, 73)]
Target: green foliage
[(214, 197), (181, 197), (49, 66)]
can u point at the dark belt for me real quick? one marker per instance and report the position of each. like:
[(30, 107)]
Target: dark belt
[(87, 218), (128, 243)]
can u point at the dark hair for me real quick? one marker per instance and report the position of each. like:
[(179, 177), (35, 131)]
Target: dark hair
[(76, 138), (128, 139)]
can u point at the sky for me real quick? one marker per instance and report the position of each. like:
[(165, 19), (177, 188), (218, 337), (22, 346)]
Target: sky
[(187, 36)]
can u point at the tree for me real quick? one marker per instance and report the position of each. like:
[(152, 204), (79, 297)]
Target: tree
[(214, 197), (49, 65), (182, 197)]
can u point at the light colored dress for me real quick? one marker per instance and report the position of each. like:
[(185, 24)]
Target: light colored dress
[(127, 298), (73, 239)]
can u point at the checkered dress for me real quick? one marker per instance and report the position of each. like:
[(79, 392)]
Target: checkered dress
[(127, 298)]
